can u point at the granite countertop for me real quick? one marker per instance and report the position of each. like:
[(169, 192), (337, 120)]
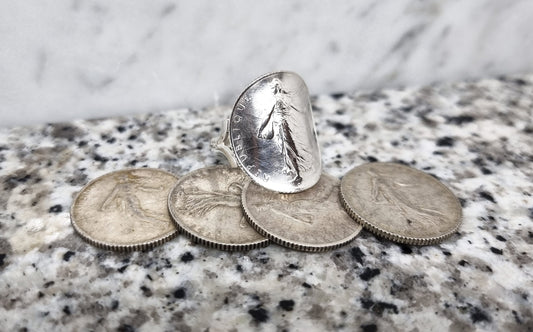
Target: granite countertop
[(476, 137)]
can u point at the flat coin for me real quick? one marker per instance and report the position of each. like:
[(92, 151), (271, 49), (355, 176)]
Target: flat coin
[(400, 203), (125, 210), (312, 220), (206, 206)]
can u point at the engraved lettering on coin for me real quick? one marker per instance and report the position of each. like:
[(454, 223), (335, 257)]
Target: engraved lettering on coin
[(401, 203), (125, 210), (312, 220), (273, 135), (206, 205)]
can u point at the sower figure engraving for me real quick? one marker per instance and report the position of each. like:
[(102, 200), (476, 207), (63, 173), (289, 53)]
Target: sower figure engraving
[(390, 191), (123, 198), (277, 126), (199, 202)]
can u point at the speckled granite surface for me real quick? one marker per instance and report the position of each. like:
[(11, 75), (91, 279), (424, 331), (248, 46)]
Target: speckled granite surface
[(476, 137)]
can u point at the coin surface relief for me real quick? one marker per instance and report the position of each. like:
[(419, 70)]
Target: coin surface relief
[(400, 203), (206, 206), (312, 220), (273, 135), (125, 210)]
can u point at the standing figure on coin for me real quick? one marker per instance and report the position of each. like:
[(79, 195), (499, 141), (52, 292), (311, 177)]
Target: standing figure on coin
[(276, 126), (390, 189), (123, 197)]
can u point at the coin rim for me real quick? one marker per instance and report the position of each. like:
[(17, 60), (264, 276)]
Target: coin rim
[(375, 229), (290, 243), (236, 155), (146, 245), (199, 238)]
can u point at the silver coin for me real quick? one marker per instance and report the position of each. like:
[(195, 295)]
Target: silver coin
[(273, 136), (312, 220), (400, 203), (125, 210), (206, 206)]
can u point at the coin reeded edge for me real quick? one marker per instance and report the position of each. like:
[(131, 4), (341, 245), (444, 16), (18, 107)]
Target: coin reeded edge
[(395, 237), (287, 243), (205, 241), (112, 246)]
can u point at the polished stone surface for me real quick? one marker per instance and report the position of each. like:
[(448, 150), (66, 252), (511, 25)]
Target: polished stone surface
[(476, 137)]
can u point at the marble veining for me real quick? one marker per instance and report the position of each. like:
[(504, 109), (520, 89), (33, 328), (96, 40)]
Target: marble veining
[(94, 58), (476, 137)]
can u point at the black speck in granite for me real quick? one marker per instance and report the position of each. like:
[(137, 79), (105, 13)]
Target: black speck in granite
[(369, 273), (287, 305), (340, 126), (337, 95), (369, 327), (187, 257), (357, 254), (2, 258), (501, 238), (67, 255), (496, 251), (66, 131), (115, 304), (371, 159), (146, 291), (516, 318), (55, 209), (406, 249), (530, 214), (462, 262), (293, 266), (123, 268), (446, 253), (520, 82), (306, 285), (478, 315), (379, 307), (259, 314), (100, 158), (126, 328), (40, 294), (238, 267), (406, 109), (445, 141), (180, 293), (488, 196), (459, 120), (48, 284), (66, 310)]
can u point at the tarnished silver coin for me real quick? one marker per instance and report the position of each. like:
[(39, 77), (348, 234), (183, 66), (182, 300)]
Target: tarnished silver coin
[(312, 220), (272, 134), (400, 203), (206, 206), (125, 210)]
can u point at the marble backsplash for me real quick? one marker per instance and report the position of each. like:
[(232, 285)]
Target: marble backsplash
[(72, 59)]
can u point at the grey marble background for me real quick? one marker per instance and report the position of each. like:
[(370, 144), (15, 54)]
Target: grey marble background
[(71, 59)]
